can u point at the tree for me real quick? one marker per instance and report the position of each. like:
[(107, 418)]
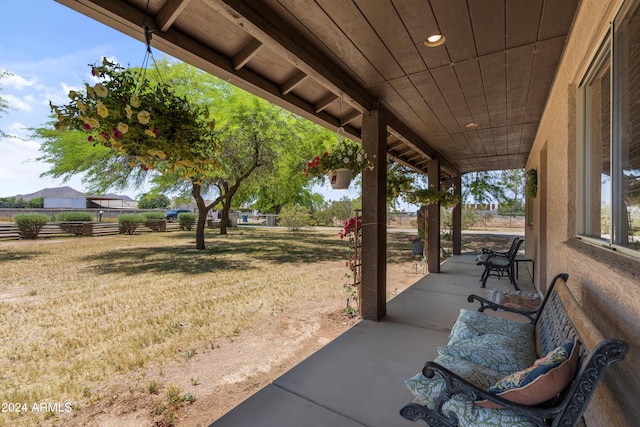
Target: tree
[(4, 105), (286, 184), (513, 181), (153, 201), (482, 187)]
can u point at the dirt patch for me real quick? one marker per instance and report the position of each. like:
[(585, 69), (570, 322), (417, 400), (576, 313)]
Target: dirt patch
[(223, 376)]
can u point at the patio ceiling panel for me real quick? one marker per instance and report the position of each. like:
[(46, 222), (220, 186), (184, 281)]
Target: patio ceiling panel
[(333, 60), (470, 79), (383, 17), (418, 19), (528, 134), (494, 79), (361, 36), (429, 91), (519, 68), (523, 21), (547, 55), (455, 23), (514, 137), (448, 84), (488, 17), (418, 112)]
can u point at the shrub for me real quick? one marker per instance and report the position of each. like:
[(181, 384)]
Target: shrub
[(30, 224), (152, 215), (187, 220), (129, 222), (155, 221), (74, 216), (295, 217)]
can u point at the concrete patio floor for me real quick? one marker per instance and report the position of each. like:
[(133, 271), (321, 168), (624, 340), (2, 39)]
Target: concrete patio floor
[(358, 378)]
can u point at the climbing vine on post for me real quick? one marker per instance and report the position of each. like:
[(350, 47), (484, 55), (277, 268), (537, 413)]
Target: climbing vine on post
[(352, 230)]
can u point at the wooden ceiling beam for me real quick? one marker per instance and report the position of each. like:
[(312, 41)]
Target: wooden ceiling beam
[(169, 13), (246, 53), (292, 82), (348, 118), (325, 102)]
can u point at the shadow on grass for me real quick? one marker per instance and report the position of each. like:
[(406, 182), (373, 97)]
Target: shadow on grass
[(399, 249), (235, 251), (19, 256), (472, 244)]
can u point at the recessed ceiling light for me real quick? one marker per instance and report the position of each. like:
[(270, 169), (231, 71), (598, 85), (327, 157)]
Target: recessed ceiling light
[(471, 125), (434, 40)]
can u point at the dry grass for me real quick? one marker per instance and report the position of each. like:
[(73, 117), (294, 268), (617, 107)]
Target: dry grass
[(80, 312)]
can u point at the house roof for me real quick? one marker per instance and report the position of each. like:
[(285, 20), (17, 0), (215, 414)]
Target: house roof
[(474, 102)]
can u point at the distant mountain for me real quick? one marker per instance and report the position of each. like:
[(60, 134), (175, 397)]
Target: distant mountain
[(66, 192)]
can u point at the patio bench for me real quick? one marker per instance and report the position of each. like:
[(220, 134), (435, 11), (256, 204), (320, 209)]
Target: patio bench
[(502, 372), (500, 264)]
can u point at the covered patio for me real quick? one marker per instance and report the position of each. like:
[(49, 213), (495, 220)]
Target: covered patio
[(357, 379), (509, 84)]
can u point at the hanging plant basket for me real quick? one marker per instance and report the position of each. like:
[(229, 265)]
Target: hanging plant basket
[(532, 183), (340, 178)]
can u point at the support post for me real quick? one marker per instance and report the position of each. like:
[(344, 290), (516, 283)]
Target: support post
[(456, 217), (433, 221), (374, 218)]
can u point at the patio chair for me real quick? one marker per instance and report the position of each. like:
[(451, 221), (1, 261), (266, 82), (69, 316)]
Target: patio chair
[(500, 264)]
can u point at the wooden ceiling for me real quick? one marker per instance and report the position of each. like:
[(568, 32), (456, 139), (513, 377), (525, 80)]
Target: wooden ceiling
[(334, 60)]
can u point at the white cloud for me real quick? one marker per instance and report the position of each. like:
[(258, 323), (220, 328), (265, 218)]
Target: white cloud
[(19, 82), (18, 103)]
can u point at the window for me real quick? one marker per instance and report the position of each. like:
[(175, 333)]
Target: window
[(609, 102)]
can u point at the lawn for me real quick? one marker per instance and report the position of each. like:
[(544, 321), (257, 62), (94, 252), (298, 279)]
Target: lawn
[(80, 312)]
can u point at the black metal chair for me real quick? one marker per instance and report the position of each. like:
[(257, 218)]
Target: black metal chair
[(500, 264)]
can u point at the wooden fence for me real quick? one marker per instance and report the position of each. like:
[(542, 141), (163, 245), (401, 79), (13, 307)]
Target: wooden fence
[(9, 230)]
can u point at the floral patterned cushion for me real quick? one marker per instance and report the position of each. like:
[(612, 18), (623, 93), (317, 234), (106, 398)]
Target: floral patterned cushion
[(501, 353), (469, 414), (426, 389), (498, 261), (472, 324), (541, 381)]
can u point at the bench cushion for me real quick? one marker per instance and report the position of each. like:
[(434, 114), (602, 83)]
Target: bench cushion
[(472, 324), (482, 349), (501, 353), (470, 414)]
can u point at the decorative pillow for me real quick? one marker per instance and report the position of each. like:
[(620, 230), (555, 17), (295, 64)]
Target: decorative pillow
[(540, 382), (500, 353)]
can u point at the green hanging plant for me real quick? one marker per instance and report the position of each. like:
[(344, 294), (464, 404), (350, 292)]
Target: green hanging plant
[(532, 183), (429, 196)]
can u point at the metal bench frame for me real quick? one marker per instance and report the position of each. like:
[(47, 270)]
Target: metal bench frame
[(558, 319), (504, 268)]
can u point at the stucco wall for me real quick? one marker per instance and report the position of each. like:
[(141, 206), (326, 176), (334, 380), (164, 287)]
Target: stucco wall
[(606, 284)]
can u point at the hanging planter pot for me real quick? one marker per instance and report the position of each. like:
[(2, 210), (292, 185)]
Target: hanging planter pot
[(417, 247), (340, 178)]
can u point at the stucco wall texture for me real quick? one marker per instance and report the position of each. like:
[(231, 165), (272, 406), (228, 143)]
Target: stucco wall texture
[(606, 284)]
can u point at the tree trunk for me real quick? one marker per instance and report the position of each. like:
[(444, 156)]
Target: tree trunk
[(225, 218), (202, 216)]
